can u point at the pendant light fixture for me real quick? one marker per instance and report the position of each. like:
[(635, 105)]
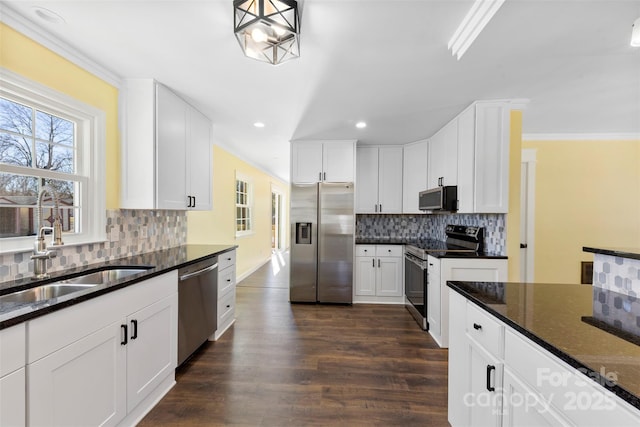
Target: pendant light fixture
[(267, 30)]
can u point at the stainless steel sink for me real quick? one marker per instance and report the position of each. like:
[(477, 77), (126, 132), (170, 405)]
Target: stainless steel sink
[(104, 276), (69, 286), (42, 293)]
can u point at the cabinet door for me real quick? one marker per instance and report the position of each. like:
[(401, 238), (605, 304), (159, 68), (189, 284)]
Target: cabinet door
[(365, 276), (306, 162), (458, 361), (492, 158), (434, 297), (466, 160), (443, 156), (152, 348), (389, 277), (338, 160), (484, 400), (367, 180), (171, 147), (13, 399), (414, 175), (390, 179), (82, 384), (200, 171), (523, 407)]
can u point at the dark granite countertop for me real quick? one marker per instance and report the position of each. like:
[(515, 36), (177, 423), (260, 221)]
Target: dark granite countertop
[(429, 242), (160, 262), (571, 322), (633, 253)]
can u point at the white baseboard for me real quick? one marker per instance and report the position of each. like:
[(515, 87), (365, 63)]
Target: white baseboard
[(253, 270)]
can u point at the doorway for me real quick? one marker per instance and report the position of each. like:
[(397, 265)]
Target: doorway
[(527, 214), (277, 219)]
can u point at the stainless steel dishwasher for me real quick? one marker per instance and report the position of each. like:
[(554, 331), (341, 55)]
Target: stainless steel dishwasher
[(197, 305)]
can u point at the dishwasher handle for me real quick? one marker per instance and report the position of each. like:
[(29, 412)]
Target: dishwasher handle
[(199, 272)]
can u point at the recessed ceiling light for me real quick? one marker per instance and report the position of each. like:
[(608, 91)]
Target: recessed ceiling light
[(48, 15), (361, 125), (259, 124)]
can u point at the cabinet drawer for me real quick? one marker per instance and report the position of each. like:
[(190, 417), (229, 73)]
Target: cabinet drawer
[(389, 250), (226, 308), (226, 281), (365, 250), (226, 259), (485, 330), (12, 349)]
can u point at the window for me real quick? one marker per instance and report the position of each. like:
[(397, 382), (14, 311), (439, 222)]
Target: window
[(244, 204), (46, 138)]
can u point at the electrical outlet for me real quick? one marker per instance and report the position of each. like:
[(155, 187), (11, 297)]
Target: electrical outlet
[(144, 232)]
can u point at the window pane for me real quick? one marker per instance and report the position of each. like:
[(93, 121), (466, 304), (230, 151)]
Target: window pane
[(18, 205), (15, 150), (15, 117), (54, 129), (54, 157), (18, 189)]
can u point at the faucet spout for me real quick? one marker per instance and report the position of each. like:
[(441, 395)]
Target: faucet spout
[(40, 251), (57, 225)]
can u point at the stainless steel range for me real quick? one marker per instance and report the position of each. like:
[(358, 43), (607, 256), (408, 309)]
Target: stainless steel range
[(460, 238)]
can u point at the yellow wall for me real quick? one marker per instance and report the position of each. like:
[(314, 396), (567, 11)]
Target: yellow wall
[(35, 62), (587, 194), (513, 217), (218, 225)]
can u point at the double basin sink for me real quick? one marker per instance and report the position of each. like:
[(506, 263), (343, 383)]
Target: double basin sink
[(70, 286)]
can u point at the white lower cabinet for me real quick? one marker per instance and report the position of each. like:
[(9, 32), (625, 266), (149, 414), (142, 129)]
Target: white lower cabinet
[(524, 407), (226, 292), (498, 377), (105, 361), (82, 384), (12, 376), (441, 270), (379, 275)]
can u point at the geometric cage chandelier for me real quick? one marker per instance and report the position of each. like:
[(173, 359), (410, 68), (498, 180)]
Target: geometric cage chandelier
[(267, 30)]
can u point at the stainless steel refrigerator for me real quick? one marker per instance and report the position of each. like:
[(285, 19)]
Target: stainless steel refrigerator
[(322, 224)]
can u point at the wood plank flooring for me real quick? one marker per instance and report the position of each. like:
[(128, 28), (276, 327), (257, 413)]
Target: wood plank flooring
[(285, 364)]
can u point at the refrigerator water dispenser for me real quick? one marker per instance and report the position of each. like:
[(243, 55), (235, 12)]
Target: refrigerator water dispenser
[(303, 233)]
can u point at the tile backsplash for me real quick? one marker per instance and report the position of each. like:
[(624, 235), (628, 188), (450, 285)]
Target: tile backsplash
[(128, 231), (617, 274), (423, 226)]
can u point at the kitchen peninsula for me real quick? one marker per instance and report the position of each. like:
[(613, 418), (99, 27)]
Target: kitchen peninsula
[(539, 355)]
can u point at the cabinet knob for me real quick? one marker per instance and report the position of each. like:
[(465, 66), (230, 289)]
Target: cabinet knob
[(228, 306), (477, 327)]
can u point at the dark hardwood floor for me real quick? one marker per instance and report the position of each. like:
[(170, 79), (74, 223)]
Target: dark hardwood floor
[(285, 364)]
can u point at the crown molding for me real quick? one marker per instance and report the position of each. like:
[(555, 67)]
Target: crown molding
[(30, 29), (580, 136)]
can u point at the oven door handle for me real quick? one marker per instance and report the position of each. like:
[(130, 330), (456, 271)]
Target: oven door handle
[(416, 261)]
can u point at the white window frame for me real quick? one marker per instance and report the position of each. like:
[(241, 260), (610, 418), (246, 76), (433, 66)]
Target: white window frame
[(249, 205), (90, 162)]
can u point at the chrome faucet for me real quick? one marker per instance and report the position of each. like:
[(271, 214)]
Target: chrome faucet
[(40, 251)]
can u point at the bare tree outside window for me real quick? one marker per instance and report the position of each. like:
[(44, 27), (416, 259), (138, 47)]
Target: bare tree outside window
[(33, 140)]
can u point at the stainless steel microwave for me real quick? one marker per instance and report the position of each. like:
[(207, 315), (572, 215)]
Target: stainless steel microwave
[(439, 199)]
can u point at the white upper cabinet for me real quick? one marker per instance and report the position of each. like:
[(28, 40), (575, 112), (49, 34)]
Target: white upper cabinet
[(166, 152), (414, 174), (483, 158), (443, 156), (379, 179), (322, 161)]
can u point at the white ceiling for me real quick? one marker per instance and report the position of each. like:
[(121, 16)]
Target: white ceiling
[(382, 61)]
